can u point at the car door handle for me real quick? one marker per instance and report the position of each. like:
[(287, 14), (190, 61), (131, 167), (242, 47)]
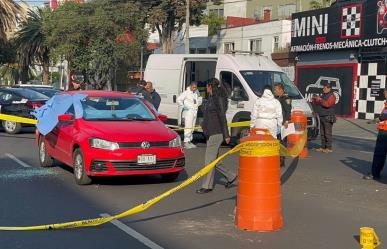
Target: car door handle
[(174, 98)]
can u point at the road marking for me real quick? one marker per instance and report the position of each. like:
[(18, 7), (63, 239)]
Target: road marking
[(133, 233), (18, 160), (361, 151)]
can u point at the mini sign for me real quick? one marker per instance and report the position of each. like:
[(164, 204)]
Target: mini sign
[(355, 25)]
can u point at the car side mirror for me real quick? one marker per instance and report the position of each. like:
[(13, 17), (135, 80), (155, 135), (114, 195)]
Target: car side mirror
[(163, 118), (65, 118)]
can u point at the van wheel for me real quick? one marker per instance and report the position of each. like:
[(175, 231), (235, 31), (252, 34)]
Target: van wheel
[(11, 127), (81, 178), (44, 158), (170, 177)]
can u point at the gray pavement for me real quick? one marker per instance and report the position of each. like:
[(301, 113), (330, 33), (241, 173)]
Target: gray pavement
[(324, 201)]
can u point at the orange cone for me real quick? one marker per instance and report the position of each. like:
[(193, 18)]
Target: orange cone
[(300, 122), (259, 194)]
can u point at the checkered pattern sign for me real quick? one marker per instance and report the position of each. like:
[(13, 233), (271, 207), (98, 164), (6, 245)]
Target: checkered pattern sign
[(370, 86), (351, 21)]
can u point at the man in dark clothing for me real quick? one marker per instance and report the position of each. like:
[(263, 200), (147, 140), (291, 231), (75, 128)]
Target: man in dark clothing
[(155, 97), (326, 110), (286, 104), (381, 143), (141, 91)]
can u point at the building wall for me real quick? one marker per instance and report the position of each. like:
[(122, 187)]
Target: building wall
[(266, 32), (235, 8), (279, 8)]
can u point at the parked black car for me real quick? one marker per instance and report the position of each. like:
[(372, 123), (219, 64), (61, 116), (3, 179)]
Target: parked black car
[(45, 90), (19, 102)]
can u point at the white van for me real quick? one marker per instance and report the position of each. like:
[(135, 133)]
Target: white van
[(245, 74)]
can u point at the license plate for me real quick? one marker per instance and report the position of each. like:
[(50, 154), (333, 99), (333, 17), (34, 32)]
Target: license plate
[(146, 159)]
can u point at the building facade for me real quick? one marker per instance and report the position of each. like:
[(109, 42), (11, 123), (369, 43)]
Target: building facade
[(264, 38), (345, 45)]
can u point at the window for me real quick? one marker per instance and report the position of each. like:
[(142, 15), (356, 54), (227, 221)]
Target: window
[(5, 97), (257, 80), (229, 46), (234, 86), (256, 45), (221, 12), (276, 43), (285, 11), (212, 50), (202, 51), (192, 50)]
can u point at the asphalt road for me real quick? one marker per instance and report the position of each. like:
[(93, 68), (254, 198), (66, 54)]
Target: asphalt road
[(324, 202)]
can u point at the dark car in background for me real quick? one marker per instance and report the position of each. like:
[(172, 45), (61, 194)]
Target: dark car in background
[(49, 91), (20, 102)]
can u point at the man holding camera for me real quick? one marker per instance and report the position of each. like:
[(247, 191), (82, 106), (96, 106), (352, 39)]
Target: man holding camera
[(326, 109)]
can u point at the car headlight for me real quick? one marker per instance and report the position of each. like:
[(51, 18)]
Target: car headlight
[(103, 144), (176, 142)]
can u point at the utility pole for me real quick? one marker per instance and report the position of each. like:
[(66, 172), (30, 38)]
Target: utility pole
[(142, 62), (187, 17)]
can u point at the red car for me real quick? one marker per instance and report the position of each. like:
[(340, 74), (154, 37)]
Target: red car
[(119, 134)]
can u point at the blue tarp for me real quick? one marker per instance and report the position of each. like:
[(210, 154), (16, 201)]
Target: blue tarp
[(47, 115)]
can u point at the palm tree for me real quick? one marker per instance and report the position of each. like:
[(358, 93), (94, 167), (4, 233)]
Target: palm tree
[(31, 43), (9, 11)]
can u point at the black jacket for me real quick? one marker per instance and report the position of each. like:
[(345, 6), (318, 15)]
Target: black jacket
[(155, 99), (286, 104), (214, 117)]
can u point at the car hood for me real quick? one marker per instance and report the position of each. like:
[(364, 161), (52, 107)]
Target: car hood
[(128, 131)]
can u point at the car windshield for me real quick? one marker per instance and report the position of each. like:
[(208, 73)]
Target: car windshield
[(257, 81), (29, 94), (116, 109)]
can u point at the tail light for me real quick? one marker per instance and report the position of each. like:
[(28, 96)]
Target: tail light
[(34, 104)]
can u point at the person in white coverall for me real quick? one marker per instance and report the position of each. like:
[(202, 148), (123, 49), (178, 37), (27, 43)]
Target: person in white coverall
[(190, 100), (267, 113)]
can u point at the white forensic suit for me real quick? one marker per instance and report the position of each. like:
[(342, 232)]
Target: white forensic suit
[(190, 101), (267, 113)]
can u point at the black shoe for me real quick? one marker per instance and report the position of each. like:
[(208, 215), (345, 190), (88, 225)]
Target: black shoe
[(203, 191), (228, 184)]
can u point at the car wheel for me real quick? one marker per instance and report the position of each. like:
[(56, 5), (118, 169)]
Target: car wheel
[(170, 177), (11, 127), (44, 158), (81, 178)]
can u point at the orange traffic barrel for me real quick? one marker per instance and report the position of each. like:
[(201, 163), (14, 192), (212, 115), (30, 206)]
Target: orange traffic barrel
[(259, 194), (300, 123)]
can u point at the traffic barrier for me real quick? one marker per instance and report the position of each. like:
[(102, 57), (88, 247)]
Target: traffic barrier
[(300, 123), (259, 191), (368, 238)]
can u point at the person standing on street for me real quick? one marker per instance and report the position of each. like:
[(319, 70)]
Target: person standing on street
[(190, 100), (140, 90), (267, 113), (286, 105), (216, 131), (326, 110), (155, 98), (380, 152)]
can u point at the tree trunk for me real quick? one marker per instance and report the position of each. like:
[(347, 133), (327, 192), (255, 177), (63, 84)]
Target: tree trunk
[(46, 70), (24, 74)]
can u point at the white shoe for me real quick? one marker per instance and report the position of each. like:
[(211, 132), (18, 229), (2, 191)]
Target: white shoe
[(189, 145)]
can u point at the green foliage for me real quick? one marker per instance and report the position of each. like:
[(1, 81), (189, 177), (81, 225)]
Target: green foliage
[(93, 36), (168, 17), (214, 23), (9, 15), (31, 43), (7, 53), (319, 4)]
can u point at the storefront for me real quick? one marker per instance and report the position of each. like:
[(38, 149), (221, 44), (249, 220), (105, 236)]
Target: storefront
[(346, 45)]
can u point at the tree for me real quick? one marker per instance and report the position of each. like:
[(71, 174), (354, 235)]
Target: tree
[(319, 4), (95, 37), (31, 43), (214, 23), (9, 11), (168, 17)]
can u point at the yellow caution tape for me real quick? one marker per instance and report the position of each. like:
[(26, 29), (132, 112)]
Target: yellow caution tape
[(18, 119), (260, 148)]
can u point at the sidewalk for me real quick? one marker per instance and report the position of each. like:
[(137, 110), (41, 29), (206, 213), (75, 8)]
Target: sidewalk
[(355, 128)]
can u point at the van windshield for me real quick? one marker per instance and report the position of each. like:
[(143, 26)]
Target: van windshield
[(257, 81)]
